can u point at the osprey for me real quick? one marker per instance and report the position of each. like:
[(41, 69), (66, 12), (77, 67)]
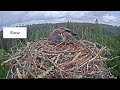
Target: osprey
[(62, 34)]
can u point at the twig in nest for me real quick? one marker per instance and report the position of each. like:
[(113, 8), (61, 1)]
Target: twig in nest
[(26, 70), (45, 72), (8, 73), (58, 45), (61, 51), (58, 58), (61, 74), (23, 74), (10, 60), (18, 73), (56, 67), (74, 59)]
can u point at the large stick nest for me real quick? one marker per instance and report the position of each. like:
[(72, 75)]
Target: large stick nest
[(47, 59)]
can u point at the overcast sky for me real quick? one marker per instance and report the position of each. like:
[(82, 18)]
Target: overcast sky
[(11, 18)]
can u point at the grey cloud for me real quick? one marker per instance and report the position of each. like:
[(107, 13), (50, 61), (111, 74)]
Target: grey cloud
[(10, 17), (18, 17)]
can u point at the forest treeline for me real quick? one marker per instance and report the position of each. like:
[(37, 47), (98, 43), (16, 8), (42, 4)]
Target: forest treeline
[(106, 35)]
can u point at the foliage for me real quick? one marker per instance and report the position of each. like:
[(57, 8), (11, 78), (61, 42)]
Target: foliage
[(3, 69)]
